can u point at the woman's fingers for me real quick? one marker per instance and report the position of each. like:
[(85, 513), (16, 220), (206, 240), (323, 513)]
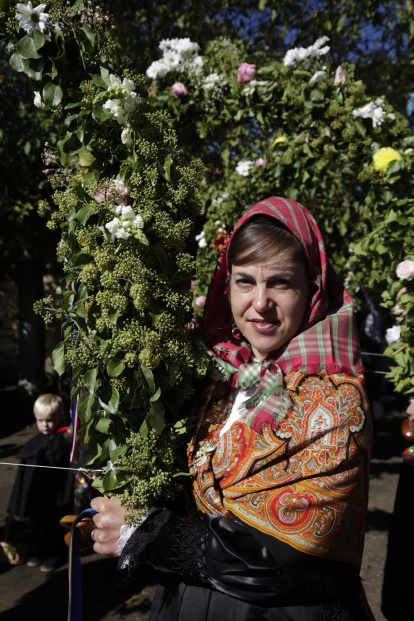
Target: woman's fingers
[(109, 519)]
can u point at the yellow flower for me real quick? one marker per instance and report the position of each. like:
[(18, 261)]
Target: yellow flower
[(383, 157), (279, 139)]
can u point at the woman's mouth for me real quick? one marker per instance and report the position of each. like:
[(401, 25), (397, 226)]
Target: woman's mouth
[(264, 325)]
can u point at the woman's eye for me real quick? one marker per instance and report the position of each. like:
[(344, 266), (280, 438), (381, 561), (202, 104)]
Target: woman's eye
[(280, 282), (243, 282)]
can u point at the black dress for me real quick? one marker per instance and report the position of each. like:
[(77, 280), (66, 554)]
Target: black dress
[(210, 567)]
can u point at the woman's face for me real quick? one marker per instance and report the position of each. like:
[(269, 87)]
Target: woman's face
[(269, 301)]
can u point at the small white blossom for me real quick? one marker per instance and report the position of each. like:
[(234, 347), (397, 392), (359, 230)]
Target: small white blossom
[(405, 270), (371, 111), (198, 64), (243, 168), (31, 19), (157, 69), (172, 59), (38, 101), (126, 137), (212, 80), (393, 335), (305, 56), (318, 76), (200, 238)]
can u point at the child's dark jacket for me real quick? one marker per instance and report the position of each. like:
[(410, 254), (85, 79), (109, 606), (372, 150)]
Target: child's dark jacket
[(37, 491)]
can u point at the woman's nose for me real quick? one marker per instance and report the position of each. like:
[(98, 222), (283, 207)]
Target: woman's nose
[(262, 301)]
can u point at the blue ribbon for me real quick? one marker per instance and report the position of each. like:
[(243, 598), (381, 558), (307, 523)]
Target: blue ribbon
[(74, 569)]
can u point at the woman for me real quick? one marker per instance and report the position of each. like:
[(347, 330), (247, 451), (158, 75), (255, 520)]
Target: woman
[(281, 449)]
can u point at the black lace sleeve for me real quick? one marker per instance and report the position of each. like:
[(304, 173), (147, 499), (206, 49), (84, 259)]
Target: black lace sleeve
[(223, 554)]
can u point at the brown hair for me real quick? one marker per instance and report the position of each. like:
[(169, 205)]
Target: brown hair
[(260, 239)]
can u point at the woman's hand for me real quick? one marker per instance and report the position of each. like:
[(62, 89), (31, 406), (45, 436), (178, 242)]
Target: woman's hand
[(109, 519)]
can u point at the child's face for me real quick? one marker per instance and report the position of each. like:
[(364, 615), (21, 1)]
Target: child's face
[(48, 423)]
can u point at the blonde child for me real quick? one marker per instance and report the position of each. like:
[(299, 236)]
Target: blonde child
[(42, 495)]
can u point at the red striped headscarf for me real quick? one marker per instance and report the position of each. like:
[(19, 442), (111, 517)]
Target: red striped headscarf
[(327, 342)]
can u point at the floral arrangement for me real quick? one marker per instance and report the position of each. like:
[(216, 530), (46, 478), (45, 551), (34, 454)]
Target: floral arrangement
[(299, 127), (125, 202)]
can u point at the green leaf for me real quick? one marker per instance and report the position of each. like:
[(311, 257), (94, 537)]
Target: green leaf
[(81, 258), (167, 167), (89, 379), (109, 398), (118, 452), (143, 430), (70, 144), (103, 425), (156, 416), (149, 376), (16, 63), (80, 309), (84, 406), (317, 95), (88, 38), (27, 47), (156, 396), (141, 237), (101, 114), (85, 213), (58, 357), (109, 481), (115, 367), (360, 127), (99, 81), (52, 94), (394, 166)]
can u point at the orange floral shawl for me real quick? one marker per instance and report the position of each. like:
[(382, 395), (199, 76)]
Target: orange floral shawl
[(304, 482)]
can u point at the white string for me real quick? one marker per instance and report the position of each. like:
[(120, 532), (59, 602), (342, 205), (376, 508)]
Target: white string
[(84, 471)]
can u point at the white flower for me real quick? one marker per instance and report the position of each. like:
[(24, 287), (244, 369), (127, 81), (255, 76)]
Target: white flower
[(172, 59), (371, 111), (113, 226), (392, 335), (130, 101), (243, 168), (127, 212), (318, 76), (31, 19), (198, 64), (200, 238), (181, 46), (38, 101), (305, 56), (212, 80), (157, 69), (138, 222), (114, 105), (128, 85), (126, 137), (405, 270)]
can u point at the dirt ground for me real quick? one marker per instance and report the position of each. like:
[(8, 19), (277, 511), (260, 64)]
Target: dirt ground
[(29, 595)]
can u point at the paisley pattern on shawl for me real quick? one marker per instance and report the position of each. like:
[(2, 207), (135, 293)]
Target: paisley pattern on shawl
[(304, 482)]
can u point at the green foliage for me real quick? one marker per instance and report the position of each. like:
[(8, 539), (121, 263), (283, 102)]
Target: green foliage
[(124, 202)]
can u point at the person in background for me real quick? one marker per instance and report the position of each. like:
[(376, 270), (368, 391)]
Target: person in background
[(40, 496)]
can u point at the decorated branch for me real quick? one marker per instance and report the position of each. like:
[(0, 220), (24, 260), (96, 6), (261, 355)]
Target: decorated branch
[(299, 127), (124, 200)]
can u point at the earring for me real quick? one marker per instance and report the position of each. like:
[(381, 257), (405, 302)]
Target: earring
[(234, 328)]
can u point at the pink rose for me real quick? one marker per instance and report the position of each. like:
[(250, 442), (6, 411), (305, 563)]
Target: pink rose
[(405, 270), (246, 72), (200, 300), (178, 90), (106, 192), (260, 162), (340, 77)]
